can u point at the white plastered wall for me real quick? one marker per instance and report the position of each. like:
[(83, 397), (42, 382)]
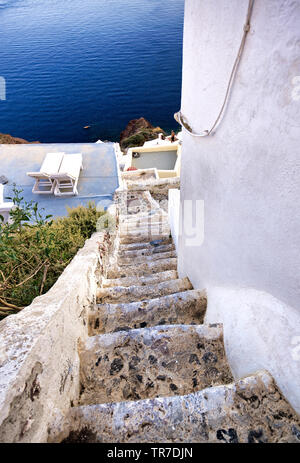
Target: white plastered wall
[(248, 175)]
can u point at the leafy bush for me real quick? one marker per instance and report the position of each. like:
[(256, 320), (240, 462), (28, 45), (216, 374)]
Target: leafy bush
[(35, 250)]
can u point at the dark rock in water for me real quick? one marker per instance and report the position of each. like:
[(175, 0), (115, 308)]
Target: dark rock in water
[(3, 180), (137, 132), (134, 126)]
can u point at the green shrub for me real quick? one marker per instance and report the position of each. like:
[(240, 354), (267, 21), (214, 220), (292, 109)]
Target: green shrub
[(141, 137), (34, 250)]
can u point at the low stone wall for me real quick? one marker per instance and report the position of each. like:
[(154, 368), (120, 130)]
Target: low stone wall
[(39, 363), (155, 186), (140, 175)]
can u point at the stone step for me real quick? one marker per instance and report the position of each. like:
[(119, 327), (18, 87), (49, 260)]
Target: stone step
[(150, 220), (138, 208), (145, 245), (185, 307), (155, 227), (247, 411), (148, 251), (132, 228), (120, 294), (145, 235), (152, 362), (144, 218), (150, 229), (153, 216), (141, 280), (141, 259), (146, 268)]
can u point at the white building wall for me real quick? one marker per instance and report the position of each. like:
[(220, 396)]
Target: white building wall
[(174, 214), (248, 172)]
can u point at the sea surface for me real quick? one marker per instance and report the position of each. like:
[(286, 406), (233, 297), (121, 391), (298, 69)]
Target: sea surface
[(72, 63)]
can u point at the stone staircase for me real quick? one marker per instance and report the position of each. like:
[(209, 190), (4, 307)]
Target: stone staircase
[(151, 371)]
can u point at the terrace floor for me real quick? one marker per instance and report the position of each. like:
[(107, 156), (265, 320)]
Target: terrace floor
[(98, 179)]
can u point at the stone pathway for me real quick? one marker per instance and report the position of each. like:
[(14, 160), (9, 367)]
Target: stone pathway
[(151, 371)]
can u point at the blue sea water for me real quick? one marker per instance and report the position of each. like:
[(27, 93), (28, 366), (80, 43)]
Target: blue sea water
[(72, 63)]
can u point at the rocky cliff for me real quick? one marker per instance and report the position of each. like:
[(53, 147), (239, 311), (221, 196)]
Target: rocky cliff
[(9, 140), (137, 132)]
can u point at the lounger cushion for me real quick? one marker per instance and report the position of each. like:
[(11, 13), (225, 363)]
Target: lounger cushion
[(50, 165), (71, 165)]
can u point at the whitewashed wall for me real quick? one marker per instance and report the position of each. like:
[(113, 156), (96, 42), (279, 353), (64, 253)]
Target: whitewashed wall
[(174, 214), (248, 172)]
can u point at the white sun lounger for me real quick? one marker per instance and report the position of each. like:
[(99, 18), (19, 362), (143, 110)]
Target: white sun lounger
[(5, 208), (67, 178), (44, 183)]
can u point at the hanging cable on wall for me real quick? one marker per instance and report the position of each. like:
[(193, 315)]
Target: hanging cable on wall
[(179, 117)]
